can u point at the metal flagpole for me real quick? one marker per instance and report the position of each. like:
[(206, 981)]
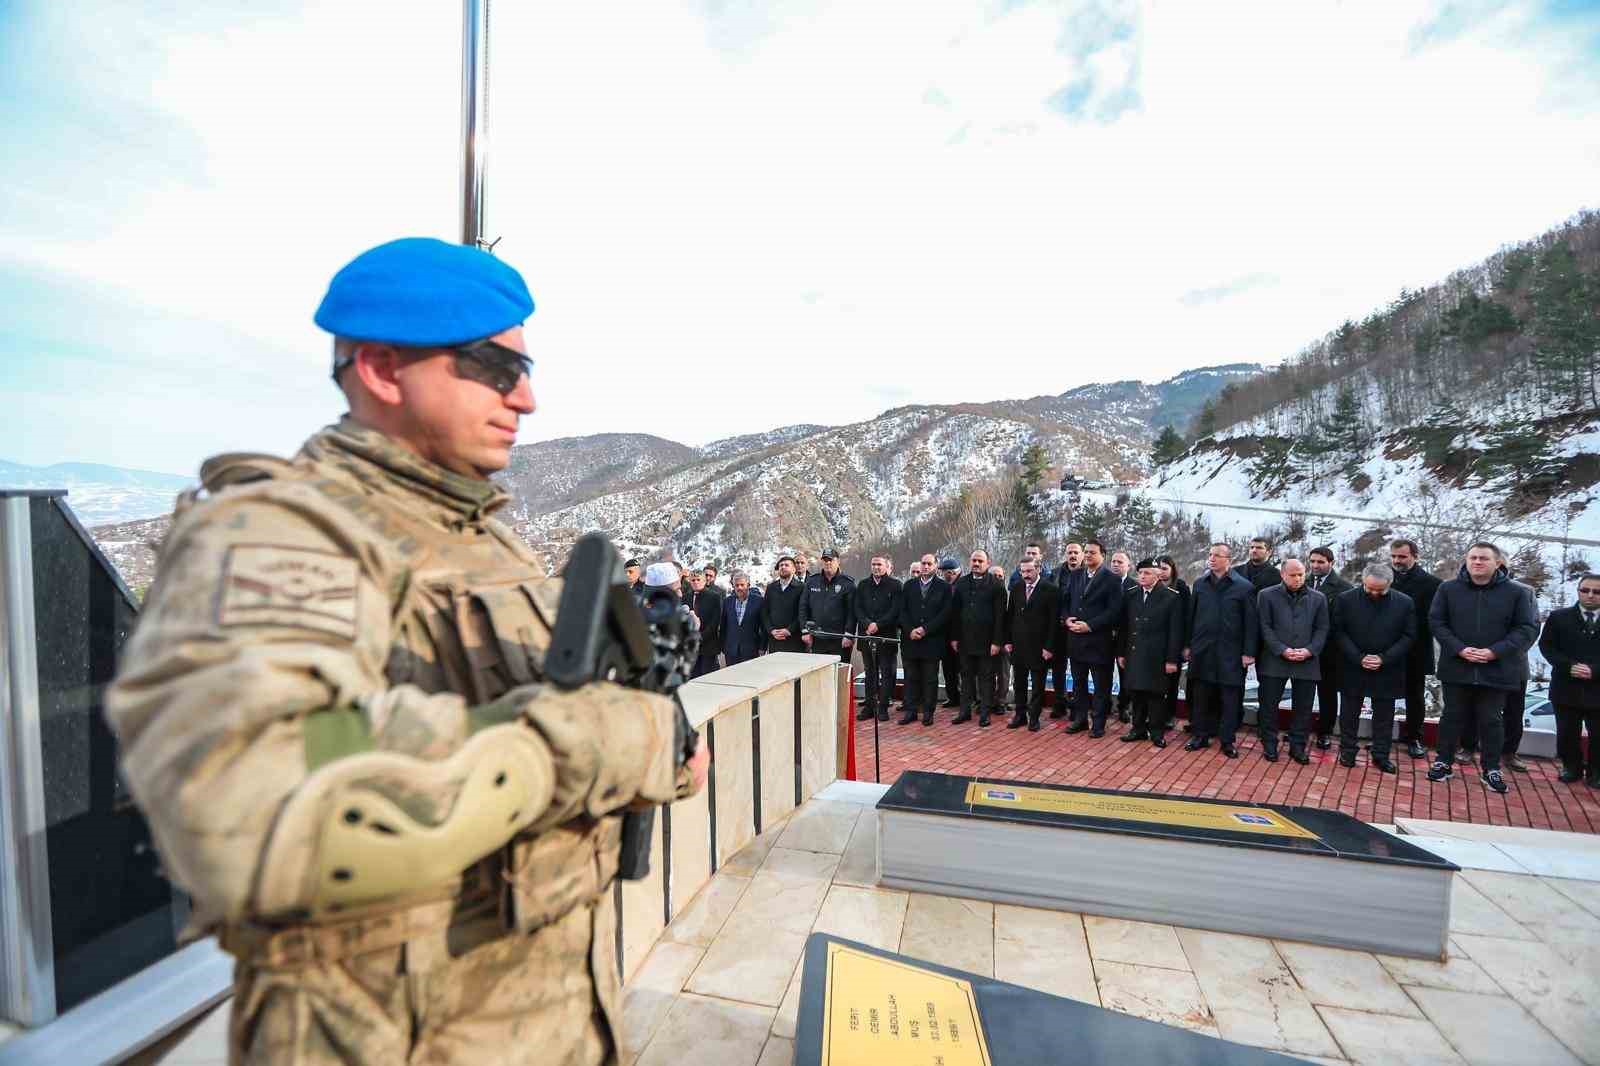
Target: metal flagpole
[(474, 116)]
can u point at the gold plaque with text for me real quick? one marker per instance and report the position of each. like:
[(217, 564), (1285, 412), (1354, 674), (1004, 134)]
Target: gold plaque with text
[(1131, 808), (888, 1012)]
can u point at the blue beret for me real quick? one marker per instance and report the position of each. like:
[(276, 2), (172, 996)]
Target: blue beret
[(950, 564), (419, 292)]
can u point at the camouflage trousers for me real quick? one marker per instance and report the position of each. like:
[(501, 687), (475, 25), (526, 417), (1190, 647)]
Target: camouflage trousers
[(469, 993)]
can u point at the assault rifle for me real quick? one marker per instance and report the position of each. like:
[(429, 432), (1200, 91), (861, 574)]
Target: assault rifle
[(603, 633)]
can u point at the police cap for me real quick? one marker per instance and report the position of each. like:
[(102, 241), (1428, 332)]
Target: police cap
[(418, 292)]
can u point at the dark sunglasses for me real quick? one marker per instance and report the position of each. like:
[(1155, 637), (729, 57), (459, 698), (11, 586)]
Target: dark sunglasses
[(487, 362)]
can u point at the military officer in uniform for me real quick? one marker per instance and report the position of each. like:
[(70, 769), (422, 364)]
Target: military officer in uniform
[(333, 711), (1150, 651)]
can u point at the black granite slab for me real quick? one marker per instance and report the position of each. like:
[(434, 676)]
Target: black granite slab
[(1337, 835), (1022, 1027)]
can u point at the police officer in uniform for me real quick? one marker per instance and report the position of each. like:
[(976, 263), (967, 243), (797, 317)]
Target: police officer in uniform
[(333, 711), (828, 602)]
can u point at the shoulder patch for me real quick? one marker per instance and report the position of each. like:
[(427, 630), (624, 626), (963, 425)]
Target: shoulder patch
[(301, 588)]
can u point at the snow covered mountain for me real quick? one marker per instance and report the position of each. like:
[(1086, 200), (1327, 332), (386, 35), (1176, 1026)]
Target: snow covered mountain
[(100, 494)]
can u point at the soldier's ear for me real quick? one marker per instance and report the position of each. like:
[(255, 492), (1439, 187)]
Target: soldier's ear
[(375, 369)]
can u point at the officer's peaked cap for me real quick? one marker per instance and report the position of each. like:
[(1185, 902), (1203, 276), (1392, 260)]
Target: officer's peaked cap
[(419, 292)]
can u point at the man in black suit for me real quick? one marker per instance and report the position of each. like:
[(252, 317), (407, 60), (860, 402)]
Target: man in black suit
[(1068, 574), (1092, 612), (978, 612), (877, 607), (1256, 568), (1326, 580), (1224, 634), (924, 614), (1570, 643), (1031, 635), (705, 600), (1415, 581), (780, 607), (1122, 565), (1376, 628), (1150, 651), (742, 635), (949, 571)]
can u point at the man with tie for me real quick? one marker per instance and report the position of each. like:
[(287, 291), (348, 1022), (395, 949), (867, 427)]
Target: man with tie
[(1035, 551), (1570, 643), (1031, 636), (1294, 630), (877, 615), (1326, 580), (1092, 612), (1414, 580), (924, 613), (780, 609), (1376, 628), (1122, 565), (1150, 651), (978, 619), (1066, 576), (742, 634), (705, 600)]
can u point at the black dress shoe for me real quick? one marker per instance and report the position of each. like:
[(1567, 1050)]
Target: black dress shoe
[(1132, 735), (907, 718), (1123, 717), (1270, 754), (1075, 727), (983, 720), (1196, 743), (1416, 750), (1097, 732), (1299, 755), (1017, 721), (864, 714), (1033, 723), (1159, 740), (964, 716), (951, 703), (1230, 751), (1347, 759), (927, 719), (1323, 743), (1567, 776), (1384, 763), (1058, 712)]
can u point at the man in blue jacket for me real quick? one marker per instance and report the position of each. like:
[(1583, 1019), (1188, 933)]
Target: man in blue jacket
[(742, 632), (1484, 623), (1224, 631)]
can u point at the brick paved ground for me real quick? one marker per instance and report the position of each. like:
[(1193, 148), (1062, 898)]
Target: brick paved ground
[(1536, 799)]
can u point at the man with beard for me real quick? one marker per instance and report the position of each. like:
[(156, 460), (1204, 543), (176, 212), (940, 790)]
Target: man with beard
[(706, 602), (1256, 569), (1376, 628), (1092, 611), (877, 608), (1068, 577), (1294, 630), (1326, 580), (780, 607), (828, 603), (1150, 651), (742, 634), (924, 614), (978, 612), (1415, 581), (1033, 551), (1031, 636), (1224, 632), (950, 572)]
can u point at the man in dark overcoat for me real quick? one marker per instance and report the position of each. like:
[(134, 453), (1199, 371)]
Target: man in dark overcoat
[(1224, 634), (877, 607), (1413, 579), (1294, 630), (780, 607), (924, 616), (1570, 643), (1376, 628), (1092, 608), (1150, 651), (1326, 580), (977, 630), (1031, 638)]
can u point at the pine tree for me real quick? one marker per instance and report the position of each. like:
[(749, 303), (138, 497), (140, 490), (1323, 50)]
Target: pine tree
[(1566, 327), (1088, 522), (1168, 447), (1205, 423)]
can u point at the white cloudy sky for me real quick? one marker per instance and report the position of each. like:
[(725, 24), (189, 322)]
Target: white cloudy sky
[(736, 215)]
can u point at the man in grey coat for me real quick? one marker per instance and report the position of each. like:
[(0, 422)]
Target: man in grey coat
[(1376, 629), (1294, 630)]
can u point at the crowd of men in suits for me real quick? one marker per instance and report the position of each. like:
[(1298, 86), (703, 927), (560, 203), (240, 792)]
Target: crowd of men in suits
[(1331, 646)]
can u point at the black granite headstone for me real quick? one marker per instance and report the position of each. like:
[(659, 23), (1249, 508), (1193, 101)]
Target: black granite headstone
[(861, 1006)]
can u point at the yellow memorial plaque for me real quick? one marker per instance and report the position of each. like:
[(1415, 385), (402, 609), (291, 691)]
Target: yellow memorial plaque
[(1128, 808), (885, 1012)]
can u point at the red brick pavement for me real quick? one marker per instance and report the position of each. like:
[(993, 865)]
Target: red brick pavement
[(1536, 799)]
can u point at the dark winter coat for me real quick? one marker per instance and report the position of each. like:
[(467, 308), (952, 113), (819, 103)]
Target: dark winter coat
[(1031, 625), (878, 601), (1333, 586), (1260, 575), (1564, 642), (1499, 616), (925, 609), (1385, 626), (1223, 628), (979, 613), (1045, 574), (1291, 620), (1420, 586), (707, 606), (829, 604), (780, 607), (1097, 602), (1185, 596), (1150, 636), (742, 642)]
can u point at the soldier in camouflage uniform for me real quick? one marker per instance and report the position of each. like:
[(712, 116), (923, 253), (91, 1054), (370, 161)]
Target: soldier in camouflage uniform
[(332, 712)]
